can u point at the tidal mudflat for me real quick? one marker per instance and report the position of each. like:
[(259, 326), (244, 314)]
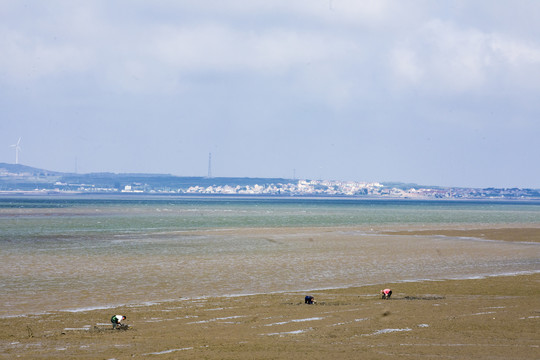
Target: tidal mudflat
[(483, 316)]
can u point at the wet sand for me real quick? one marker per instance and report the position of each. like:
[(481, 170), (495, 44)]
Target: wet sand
[(526, 234), (491, 318)]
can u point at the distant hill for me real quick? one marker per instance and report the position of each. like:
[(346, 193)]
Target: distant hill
[(18, 169), (22, 177), (16, 178), (163, 181)]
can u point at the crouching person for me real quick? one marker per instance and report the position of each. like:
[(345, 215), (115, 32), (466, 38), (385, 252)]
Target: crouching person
[(309, 300), (116, 320), (386, 293)]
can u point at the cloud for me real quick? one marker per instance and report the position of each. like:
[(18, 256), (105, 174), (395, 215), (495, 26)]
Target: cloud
[(441, 57), (135, 51), (29, 58), (268, 52), (322, 80)]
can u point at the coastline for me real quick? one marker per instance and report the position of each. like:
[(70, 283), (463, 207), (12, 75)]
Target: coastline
[(457, 318), (519, 233), (482, 317), (114, 307), (451, 241), (78, 195)]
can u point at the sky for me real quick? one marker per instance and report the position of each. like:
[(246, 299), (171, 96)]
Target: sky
[(428, 92)]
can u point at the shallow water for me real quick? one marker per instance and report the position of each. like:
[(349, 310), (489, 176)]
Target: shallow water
[(59, 254)]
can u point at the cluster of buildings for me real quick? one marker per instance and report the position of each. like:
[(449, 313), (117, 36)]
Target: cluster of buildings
[(348, 188), (301, 187), (24, 179)]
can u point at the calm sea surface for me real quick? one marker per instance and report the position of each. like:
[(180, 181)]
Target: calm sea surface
[(65, 253)]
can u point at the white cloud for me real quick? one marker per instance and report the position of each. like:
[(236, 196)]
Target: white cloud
[(406, 65), (27, 58), (333, 11), (515, 52), (138, 53), (220, 48), (210, 66), (441, 57), (167, 56)]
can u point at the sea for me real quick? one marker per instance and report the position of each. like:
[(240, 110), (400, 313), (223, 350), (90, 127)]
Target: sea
[(78, 253)]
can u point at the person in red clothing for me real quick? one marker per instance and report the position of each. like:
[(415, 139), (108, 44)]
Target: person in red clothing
[(386, 293)]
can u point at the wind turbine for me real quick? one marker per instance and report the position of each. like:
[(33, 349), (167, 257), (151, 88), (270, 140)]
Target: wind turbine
[(17, 149)]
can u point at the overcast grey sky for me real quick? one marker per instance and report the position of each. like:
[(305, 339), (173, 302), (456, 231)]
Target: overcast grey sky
[(431, 92)]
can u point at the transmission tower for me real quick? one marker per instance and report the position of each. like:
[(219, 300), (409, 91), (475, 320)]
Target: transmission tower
[(209, 165)]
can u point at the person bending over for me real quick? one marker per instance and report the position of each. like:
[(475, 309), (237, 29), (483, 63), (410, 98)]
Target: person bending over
[(386, 293), (116, 320)]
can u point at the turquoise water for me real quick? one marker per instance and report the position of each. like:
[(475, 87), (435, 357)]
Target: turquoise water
[(20, 218), (66, 253)]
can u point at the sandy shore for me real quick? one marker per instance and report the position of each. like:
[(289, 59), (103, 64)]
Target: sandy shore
[(491, 318), (527, 234)]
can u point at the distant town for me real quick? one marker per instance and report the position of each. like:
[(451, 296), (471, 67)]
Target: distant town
[(20, 180)]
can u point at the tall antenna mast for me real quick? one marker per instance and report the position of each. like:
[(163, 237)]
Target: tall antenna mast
[(209, 165)]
